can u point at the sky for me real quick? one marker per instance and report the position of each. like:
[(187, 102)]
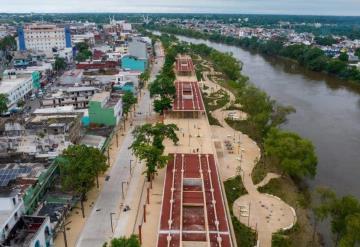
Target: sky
[(297, 7)]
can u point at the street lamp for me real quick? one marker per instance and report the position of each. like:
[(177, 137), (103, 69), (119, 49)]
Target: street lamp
[(130, 168), (111, 222), (122, 189)]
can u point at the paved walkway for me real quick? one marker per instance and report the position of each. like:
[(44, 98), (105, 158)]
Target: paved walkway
[(121, 187), (262, 212)]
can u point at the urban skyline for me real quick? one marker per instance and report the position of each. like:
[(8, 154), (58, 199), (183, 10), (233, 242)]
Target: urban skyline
[(306, 7)]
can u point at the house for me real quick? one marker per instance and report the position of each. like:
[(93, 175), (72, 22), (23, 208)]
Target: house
[(31, 231), (105, 108), (76, 96), (16, 88), (133, 63), (11, 209)]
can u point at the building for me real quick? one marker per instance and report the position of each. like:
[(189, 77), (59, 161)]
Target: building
[(43, 37), (184, 65), (31, 231), (105, 108), (11, 209), (76, 96), (188, 101), (97, 65), (193, 212), (127, 81), (138, 48), (134, 63), (88, 38), (16, 88)]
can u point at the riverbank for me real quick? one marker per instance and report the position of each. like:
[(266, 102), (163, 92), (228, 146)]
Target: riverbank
[(316, 61), (303, 229)]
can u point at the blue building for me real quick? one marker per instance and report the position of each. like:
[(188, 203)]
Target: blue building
[(133, 63)]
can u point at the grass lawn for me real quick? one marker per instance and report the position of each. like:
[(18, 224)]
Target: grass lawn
[(245, 236), (301, 234)]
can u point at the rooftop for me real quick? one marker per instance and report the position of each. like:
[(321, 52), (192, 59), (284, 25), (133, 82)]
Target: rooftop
[(188, 97), (193, 210), (8, 85), (24, 231)]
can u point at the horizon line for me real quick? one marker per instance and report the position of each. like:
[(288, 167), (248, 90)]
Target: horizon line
[(182, 13)]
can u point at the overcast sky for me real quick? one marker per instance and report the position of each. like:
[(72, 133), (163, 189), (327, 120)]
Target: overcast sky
[(317, 7)]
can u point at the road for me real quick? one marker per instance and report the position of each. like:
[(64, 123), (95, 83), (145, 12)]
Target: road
[(98, 229)]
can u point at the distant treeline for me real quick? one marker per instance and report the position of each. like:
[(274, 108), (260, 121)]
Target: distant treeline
[(310, 57)]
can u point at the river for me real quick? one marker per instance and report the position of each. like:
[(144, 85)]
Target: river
[(327, 113)]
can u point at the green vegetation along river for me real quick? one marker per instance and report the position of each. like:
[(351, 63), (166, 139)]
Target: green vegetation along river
[(327, 113)]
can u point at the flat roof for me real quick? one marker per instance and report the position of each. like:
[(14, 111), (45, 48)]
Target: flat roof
[(8, 85), (55, 110), (184, 64), (193, 209), (100, 97), (188, 97)]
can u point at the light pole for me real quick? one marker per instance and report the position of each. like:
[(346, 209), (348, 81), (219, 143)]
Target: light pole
[(111, 222), (130, 168), (122, 189), (64, 232)]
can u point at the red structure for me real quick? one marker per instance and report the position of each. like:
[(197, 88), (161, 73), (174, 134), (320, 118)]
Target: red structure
[(188, 97), (193, 209), (184, 65), (97, 65)]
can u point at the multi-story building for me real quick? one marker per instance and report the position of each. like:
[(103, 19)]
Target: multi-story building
[(43, 37), (16, 88), (11, 209), (76, 96), (105, 108)]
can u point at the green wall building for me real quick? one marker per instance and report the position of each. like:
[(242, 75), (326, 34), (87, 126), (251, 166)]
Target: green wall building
[(105, 109)]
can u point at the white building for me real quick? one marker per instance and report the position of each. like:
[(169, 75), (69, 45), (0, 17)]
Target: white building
[(11, 209), (124, 77), (15, 88), (43, 37)]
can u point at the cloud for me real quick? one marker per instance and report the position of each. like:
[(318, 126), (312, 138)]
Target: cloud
[(320, 7)]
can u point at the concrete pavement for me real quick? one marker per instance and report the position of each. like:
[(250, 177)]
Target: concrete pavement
[(109, 205)]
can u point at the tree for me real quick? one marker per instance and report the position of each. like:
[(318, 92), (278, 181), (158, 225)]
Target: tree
[(83, 52), (344, 57), (162, 104), (344, 213), (60, 64), (133, 241), (148, 145), (3, 103), (21, 103), (357, 52), (80, 165), (294, 155), (128, 100)]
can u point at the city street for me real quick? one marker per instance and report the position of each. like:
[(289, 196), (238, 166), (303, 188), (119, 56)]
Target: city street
[(103, 219)]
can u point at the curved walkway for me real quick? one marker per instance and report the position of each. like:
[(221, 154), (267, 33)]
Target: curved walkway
[(262, 212)]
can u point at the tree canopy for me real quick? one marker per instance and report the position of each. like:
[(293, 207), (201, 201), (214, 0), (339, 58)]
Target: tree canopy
[(83, 52), (148, 144), (79, 166), (132, 241), (3, 103), (60, 64), (344, 214), (128, 100), (294, 155)]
